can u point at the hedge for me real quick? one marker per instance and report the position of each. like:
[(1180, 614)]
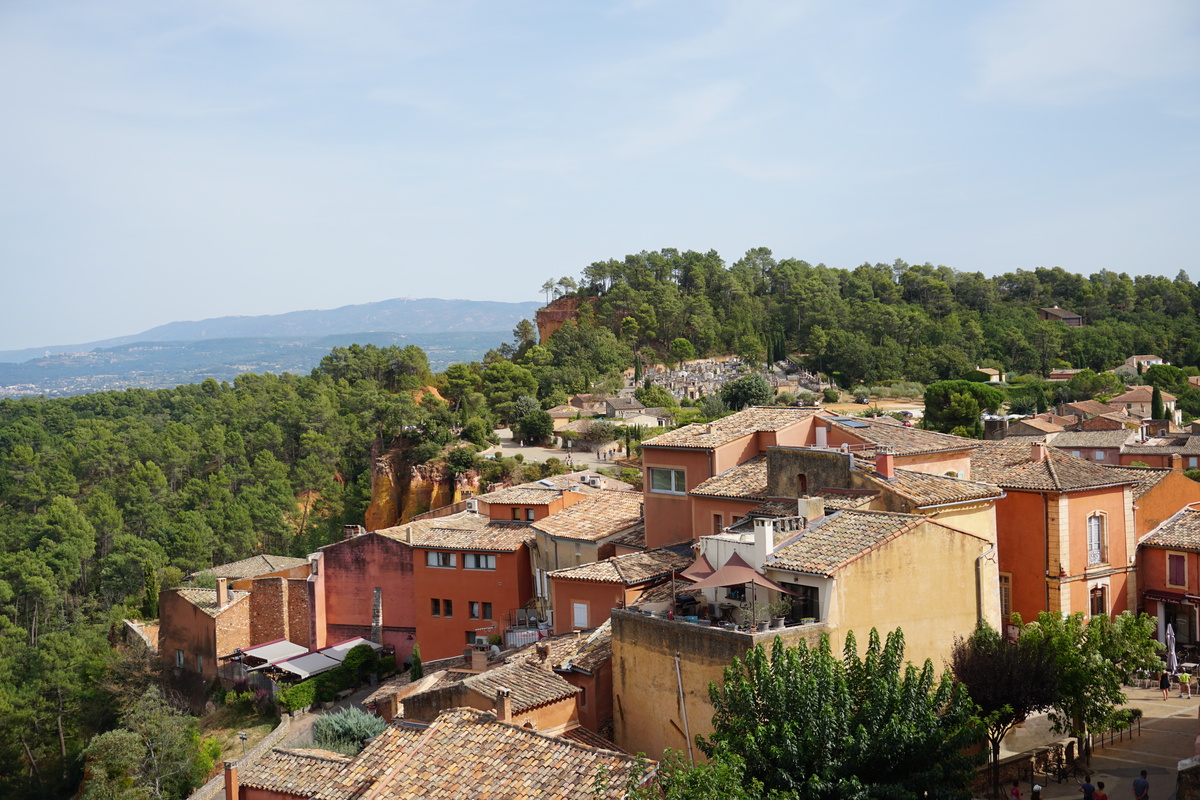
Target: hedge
[(299, 695)]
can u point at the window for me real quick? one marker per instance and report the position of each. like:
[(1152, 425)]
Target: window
[(529, 515), (179, 659), (1097, 551), (1075, 453), (801, 485), (1099, 455), (436, 558), (718, 523), (447, 609), (199, 663), (473, 609), (1005, 597), (1193, 462), (807, 602), (478, 561), (435, 607), (1099, 601), (1176, 569), (579, 615), (667, 481), (516, 515), (487, 610)]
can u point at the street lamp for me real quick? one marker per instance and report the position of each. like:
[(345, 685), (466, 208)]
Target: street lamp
[(243, 736)]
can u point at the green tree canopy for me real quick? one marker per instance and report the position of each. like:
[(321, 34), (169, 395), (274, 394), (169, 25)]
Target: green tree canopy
[(748, 390)]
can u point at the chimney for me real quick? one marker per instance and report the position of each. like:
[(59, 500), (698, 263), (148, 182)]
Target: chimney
[(350, 531), (764, 541), (885, 463), (222, 592), (479, 660), (1176, 461), (503, 705), (1038, 451), (811, 508), (377, 616), (231, 780)]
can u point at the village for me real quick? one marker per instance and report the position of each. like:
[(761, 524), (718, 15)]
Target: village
[(582, 619)]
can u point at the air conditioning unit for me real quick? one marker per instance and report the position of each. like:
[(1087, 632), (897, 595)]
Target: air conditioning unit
[(481, 641), (473, 505)]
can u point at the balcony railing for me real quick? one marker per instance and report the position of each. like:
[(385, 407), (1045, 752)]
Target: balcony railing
[(1097, 555)]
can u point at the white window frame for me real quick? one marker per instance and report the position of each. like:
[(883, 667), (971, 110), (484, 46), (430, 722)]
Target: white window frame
[(1097, 540), (473, 609), (1005, 597), (1105, 596), (440, 559), (473, 561), (677, 479), (178, 658), (579, 611), (1099, 455)]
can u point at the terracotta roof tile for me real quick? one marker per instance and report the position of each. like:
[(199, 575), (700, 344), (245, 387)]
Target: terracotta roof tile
[(359, 776), (1068, 440), (206, 599), (635, 536), (1009, 464), (522, 495), (746, 481), (466, 753), (253, 567), (530, 685), (834, 540), (731, 428), (601, 515), (631, 568), (903, 440), (1188, 444), (1180, 532), (292, 771), (586, 651), (1095, 408), (1141, 394), (922, 489), (463, 531), (1147, 478), (582, 735)]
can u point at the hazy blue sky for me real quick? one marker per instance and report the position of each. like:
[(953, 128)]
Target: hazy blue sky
[(167, 160)]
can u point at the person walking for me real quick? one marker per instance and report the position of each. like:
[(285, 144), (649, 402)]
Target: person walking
[(1015, 792), (1185, 684), (1100, 793), (1089, 791), (1164, 680), (1141, 787)]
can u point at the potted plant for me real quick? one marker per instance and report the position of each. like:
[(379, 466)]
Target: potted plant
[(779, 612), (762, 615)]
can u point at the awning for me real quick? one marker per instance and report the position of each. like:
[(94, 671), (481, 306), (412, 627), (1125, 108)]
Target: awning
[(339, 650), (699, 569), (1161, 596), (737, 572), (278, 650), (308, 665)]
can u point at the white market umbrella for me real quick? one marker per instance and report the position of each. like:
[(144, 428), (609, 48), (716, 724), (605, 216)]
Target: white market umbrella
[(1172, 660)]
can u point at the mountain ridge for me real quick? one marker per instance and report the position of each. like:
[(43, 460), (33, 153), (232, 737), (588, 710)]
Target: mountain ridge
[(400, 315)]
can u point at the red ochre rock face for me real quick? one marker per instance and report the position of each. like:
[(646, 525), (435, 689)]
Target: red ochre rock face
[(400, 492)]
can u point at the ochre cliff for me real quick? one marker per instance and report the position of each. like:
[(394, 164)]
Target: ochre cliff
[(400, 491)]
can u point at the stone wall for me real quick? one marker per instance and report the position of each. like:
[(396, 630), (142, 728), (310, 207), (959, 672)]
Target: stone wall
[(820, 468), (269, 618)]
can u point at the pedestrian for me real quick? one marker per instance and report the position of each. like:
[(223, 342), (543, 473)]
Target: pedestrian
[(1036, 793), (1164, 683), (1100, 793), (1089, 791), (1141, 787), (1015, 792), (1185, 684)]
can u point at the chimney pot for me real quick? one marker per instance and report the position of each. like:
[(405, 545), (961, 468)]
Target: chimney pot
[(885, 464), (503, 704), (222, 592), (1038, 451)]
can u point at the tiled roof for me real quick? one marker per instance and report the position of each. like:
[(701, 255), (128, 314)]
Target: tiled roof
[(834, 540), (463, 531), (359, 776), (582, 735), (1180, 532), (1095, 408), (585, 651), (842, 499), (530, 685), (635, 536), (563, 412), (253, 567), (1040, 424), (1073, 439), (206, 599), (1009, 464), (932, 490), (625, 403), (603, 514), (522, 495), (292, 771), (388, 688), (731, 428), (1147, 478), (746, 481), (887, 432), (1141, 394), (664, 592), (466, 753), (1165, 445), (631, 568)]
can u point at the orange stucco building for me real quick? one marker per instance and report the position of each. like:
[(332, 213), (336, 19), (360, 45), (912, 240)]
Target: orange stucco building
[(584, 596), (1169, 574), (1065, 531)]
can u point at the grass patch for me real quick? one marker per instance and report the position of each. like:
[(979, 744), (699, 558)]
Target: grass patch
[(224, 723)]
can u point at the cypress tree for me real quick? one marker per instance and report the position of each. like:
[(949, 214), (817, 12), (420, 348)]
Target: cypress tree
[(1157, 410)]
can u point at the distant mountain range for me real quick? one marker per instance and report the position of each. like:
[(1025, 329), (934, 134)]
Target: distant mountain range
[(224, 347)]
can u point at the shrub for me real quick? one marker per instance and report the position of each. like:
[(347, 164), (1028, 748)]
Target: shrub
[(831, 395), (298, 695), (346, 730), (387, 665)]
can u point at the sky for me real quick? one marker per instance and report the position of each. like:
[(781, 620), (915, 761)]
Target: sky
[(165, 161)]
